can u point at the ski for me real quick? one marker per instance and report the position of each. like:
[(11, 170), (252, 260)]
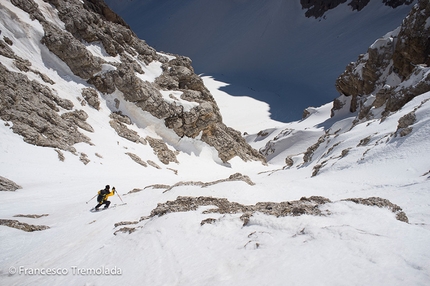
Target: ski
[(93, 210)]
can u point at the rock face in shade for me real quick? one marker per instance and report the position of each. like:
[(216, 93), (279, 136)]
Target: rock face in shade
[(317, 8)]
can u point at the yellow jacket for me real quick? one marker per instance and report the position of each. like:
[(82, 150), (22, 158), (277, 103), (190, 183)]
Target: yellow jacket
[(107, 195)]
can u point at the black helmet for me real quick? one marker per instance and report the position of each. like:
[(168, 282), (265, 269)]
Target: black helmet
[(107, 187)]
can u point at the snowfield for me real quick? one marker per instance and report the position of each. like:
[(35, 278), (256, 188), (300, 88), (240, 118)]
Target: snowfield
[(351, 244)]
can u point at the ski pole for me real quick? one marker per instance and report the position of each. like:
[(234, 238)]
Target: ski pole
[(118, 196), (91, 199)]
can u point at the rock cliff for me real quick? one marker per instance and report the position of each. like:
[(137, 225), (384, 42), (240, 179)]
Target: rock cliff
[(91, 21), (392, 72), (383, 94)]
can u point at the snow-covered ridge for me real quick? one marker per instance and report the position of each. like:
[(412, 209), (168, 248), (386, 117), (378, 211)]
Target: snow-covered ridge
[(106, 57)]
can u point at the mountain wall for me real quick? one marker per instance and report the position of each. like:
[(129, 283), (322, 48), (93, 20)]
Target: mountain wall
[(176, 96), (383, 104), (392, 72), (269, 50)]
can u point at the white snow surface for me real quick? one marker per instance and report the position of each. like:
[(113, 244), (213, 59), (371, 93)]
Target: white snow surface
[(354, 245)]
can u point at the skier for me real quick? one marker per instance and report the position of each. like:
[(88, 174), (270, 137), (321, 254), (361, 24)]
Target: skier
[(102, 197)]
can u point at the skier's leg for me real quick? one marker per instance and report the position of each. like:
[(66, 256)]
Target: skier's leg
[(97, 206), (107, 203)]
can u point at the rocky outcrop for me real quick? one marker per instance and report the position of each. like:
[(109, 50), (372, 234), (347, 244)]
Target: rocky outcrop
[(93, 22), (31, 215), (304, 206), (137, 159), (33, 108), (71, 51), (8, 185), (382, 203), (232, 178), (119, 122), (317, 8), (22, 225), (164, 154), (20, 63), (393, 71), (413, 44), (100, 7), (91, 97), (403, 128)]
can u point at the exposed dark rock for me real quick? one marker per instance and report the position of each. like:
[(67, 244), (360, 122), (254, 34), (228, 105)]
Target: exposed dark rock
[(119, 122), (364, 141), (403, 128), (135, 190), (31, 215), (60, 155), (8, 185), (231, 178), (289, 162), (22, 225), (7, 41), (100, 7), (317, 8), (91, 96), (6, 51), (164, 154), (71, 51), (125, 223), (92, 21), (78, 118), (382, 203), (128, 230), (358, 4), (153, 164), (20, 63), (137, 159), (33, 109), (304, 206), (208, 221), (413, 44), (223, 206), (84, 158), (30, 7), (310, 151), (403, 54), (316, 169)]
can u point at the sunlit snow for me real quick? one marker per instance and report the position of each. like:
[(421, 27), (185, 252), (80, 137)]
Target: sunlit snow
[(354, 245)]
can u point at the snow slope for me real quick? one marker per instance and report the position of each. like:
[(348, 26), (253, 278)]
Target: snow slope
[(265, 46), (352, 245)]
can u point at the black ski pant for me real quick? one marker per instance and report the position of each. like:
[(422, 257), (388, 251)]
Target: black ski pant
[(106, 203)]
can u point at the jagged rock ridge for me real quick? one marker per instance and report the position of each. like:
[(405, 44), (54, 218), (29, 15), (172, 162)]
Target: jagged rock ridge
[(381, 77), (317, 8), (93, 22), (390, 76)]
